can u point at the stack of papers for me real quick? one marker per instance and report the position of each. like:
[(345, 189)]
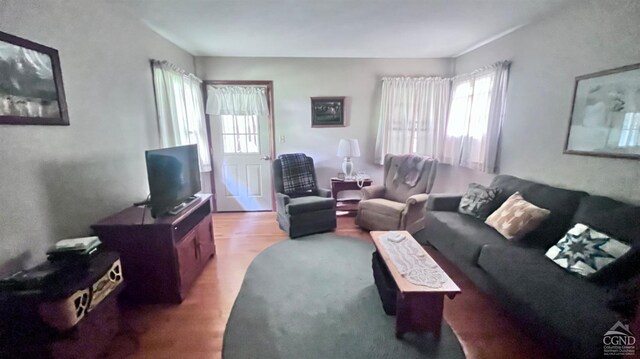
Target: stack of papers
[(75, 245)]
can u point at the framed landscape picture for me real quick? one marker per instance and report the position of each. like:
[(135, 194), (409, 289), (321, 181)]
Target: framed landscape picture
[(605, 118), (31, 90), (327, 112)]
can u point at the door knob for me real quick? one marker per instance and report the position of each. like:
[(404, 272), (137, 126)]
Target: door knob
[(266, 158)]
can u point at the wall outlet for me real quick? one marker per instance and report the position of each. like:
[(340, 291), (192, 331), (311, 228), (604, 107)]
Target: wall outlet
[(282, 139)]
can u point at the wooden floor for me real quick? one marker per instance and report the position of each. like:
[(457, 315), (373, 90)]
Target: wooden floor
[(195, 328)]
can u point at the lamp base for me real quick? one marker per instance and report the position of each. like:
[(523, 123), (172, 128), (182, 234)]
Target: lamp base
[(347, 168)]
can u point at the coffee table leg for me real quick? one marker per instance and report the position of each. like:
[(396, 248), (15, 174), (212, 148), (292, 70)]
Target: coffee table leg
[(401, 315), (419, 312)]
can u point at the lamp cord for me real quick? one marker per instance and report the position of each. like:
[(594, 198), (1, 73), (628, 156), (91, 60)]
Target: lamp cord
[(360, 179)]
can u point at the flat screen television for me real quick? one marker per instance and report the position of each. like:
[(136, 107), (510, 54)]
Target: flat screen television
[(174, 177)]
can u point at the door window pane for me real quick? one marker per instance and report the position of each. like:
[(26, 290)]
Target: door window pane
[(252, 144), (227, 124), (228, 144), (240, 134), (241, 123)]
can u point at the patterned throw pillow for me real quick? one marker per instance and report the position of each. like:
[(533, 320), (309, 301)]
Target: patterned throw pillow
[(517, 217), (478, 201), (585, 251)]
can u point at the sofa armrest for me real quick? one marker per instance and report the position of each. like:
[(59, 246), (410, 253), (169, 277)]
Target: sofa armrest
[(443, 202), (282, 200), (370, 192), (419, 199), (323, 192), (414, 212)]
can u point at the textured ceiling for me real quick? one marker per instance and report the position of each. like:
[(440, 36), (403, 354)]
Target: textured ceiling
[(335, 28)]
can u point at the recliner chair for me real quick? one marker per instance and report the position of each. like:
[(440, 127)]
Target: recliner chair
[(303, 214), (396, 205)]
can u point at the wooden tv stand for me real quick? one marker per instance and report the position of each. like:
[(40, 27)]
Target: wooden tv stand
[(161, 257)]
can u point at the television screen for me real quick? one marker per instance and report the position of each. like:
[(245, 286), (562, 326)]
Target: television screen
[(174, 177)]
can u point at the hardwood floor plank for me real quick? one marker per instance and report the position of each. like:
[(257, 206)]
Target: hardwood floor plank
[(195, 328)]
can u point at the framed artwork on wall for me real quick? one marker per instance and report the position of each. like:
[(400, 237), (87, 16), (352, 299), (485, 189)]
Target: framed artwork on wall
[(327, 112), (31, 90), (605, 117)]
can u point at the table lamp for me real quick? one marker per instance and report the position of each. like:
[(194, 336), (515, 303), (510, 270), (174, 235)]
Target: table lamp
[(348, 148)]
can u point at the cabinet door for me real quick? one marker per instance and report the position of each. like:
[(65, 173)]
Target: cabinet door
[(205, 239), (188, 254)]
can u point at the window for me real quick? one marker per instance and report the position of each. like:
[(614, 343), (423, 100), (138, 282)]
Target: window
[(412, 116), (470, 108), (180, 109), (630, 133), (456, 120), (240, 134), (475, 118)]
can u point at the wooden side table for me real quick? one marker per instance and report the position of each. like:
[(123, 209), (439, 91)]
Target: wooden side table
[(348, 203)]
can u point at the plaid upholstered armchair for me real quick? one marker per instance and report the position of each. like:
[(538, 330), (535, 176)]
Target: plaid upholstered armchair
[(302, 207), (400, 202)]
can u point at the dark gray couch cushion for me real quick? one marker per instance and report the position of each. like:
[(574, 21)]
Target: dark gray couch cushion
[(561, 202), (561, 308), (458, 235), (617, 219), (622, 222), (309, 204), (443, 202)]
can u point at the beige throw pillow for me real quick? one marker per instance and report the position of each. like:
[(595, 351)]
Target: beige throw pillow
[(516, 217)]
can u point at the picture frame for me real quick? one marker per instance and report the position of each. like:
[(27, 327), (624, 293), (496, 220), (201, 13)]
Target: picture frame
[(31, 88), (605, 114), (327, 112)]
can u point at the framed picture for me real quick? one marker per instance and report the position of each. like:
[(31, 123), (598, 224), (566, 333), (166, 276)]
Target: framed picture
[(605, 118), (31, 91), (327, 112)]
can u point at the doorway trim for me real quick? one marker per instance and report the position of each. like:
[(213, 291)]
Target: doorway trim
[(270, 121)]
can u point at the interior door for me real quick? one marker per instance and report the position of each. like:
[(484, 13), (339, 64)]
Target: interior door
[(241, 163)]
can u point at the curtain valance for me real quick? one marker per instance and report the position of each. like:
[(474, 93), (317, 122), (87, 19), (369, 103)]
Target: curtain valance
[(237, 100)]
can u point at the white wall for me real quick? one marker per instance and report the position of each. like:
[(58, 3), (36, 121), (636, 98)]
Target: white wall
[(295, 80), (547, 56), (56, 180)]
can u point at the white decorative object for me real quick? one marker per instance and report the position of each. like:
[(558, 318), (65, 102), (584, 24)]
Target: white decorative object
[(348, 148), (411, 262)]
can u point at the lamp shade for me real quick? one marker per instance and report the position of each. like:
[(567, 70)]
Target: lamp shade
[(348, 148)]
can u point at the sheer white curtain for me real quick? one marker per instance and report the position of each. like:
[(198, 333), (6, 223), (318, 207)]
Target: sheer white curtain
[(413, 114), (236, 100), (180, 110), (475, 118)]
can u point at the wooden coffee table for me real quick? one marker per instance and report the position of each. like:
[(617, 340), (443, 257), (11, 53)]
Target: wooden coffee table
[(418, 308)]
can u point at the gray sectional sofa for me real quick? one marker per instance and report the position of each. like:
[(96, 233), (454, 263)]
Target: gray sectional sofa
[(566, 313)]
